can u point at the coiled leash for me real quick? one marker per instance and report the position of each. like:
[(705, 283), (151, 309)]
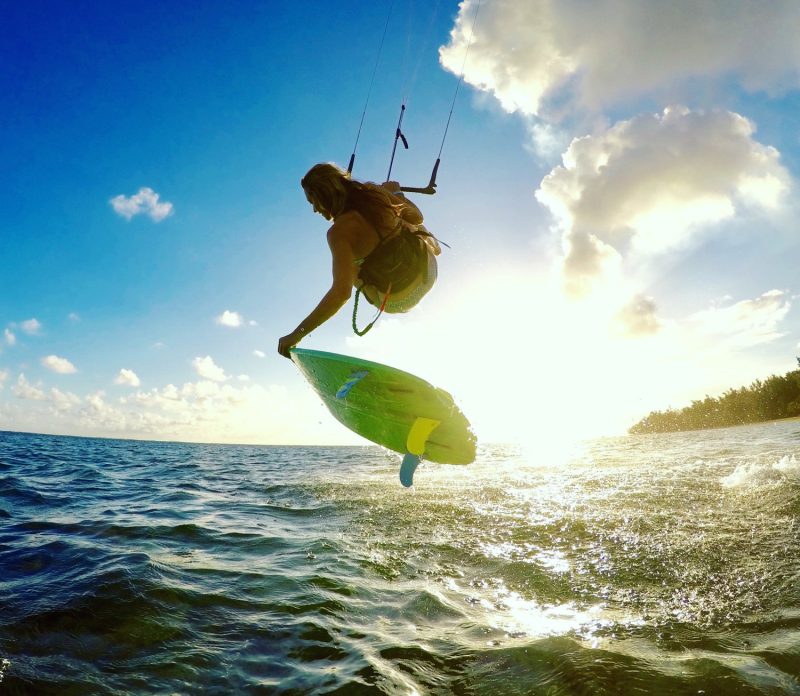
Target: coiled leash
[(377, 316)]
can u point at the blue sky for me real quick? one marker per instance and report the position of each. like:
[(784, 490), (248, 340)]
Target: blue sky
[(622, 223)]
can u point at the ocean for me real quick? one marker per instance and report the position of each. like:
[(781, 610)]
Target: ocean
[(653, 564)]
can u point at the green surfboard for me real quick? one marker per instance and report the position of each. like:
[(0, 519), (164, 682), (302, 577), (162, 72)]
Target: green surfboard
[(390, 407)]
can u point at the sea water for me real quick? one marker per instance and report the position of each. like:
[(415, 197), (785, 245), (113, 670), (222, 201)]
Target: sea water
[(665, 564)]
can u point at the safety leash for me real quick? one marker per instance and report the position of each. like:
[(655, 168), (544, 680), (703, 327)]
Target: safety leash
[(377, 316)]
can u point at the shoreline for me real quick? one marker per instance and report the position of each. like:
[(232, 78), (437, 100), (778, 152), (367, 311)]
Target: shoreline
[(718, 427)]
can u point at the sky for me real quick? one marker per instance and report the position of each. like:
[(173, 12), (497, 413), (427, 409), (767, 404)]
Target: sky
[(617, 188)]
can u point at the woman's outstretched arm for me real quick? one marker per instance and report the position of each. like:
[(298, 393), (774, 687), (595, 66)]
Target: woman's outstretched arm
[(343, 276)]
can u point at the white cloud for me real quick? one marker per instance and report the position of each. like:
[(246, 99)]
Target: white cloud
[(243, 378), (58, 364), (546, 140), (95, 403), (639, 317), (259, 353), (587, 258), (202, 411), (146, 201), (537, 56), (228, 318), (3, 377), (11, 339), (745, 323), (233, 320), (31, 326), (25, 390), (206, 368), (73, 316), (650, 184), (127, 377), (63, 401)]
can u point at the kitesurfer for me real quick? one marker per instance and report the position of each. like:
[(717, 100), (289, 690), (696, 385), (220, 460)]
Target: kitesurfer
[(378, 245)]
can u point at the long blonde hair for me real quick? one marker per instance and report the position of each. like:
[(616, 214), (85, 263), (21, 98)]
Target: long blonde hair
[(330, 188)]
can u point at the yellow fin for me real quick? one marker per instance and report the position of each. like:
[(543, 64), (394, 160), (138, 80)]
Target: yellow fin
[(419, 433)]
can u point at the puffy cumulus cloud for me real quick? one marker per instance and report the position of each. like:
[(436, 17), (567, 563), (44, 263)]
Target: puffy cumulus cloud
[(58, 364), (208, 369), (228, 318), (95, 404), (639, 317), (745, 323), (145, 202), (63, 401), (259, 353), (3, 377), (587, 258), (546, 140), (23, 389), (10, 337), (233, 320), (207, 390), (31, 326), (127, 377), (510, 53), (535, 54), (649, 184)]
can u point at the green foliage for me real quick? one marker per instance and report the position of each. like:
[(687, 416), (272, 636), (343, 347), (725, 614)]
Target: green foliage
[(775, 397)]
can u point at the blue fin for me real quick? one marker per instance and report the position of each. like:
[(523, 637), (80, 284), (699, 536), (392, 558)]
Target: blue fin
[(408, 467)]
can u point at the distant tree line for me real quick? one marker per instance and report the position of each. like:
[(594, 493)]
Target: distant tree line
[(775, 397)]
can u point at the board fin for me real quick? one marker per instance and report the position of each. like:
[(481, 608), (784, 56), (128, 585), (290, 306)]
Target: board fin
[(417, 438), (419, 433), (407, 469)]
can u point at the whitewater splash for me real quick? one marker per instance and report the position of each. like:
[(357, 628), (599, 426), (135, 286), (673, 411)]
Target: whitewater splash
[(754, 474)]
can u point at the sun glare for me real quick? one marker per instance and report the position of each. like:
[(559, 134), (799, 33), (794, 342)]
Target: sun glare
[(525, 364)]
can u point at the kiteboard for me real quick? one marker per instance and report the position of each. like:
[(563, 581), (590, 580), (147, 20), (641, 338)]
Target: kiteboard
[(391, 408)]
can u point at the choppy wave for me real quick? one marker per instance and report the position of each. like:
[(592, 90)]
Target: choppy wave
[(785, 470), (652, 564)]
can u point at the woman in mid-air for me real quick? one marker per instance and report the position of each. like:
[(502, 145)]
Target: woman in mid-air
[(378, 245)]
